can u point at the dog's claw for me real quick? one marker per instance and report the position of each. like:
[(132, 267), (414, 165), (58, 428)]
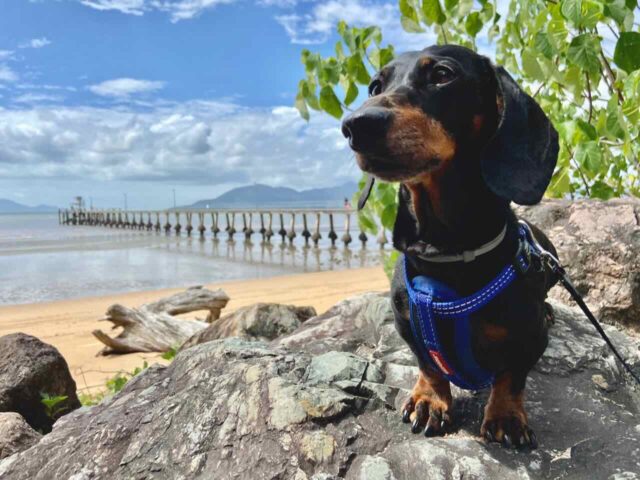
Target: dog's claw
[(506, 441), (415, 426), (406, 416), (488, 436)]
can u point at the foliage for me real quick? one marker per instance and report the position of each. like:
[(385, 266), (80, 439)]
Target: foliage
[(113, 386), (580, 59), (171, 353), (53, 404)]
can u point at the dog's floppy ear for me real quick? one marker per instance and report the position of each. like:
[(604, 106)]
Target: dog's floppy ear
[(519, 160)]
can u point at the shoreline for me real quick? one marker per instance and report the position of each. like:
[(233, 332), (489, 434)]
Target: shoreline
[(67, 324)]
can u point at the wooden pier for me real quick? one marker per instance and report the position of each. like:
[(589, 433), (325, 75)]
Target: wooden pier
[(289, 224)]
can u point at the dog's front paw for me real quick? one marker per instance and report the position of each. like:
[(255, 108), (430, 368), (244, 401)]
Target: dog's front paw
[(505, 420), (429, 406), (509, 430)]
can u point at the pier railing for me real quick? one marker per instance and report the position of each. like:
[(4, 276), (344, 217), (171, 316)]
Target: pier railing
[(290, 223)]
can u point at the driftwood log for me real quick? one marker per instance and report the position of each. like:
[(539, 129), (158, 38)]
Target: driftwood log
[(153, 327)]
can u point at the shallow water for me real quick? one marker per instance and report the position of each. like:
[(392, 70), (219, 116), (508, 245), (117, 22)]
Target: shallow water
[(41, 260)]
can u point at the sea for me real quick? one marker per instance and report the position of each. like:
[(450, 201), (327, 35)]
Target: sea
[(41, 260)]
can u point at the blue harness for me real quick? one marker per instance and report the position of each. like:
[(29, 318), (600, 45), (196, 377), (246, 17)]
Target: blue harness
[(432, 302)]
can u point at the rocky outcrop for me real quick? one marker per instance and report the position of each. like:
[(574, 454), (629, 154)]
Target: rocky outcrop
[(28, 369), (261, 321), (15, 434), (235, 408), (599, 243)]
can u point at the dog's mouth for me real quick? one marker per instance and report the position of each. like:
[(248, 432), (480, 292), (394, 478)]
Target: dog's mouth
[(393, 169)]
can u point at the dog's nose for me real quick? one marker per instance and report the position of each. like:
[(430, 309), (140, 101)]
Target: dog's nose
[(366, 129)]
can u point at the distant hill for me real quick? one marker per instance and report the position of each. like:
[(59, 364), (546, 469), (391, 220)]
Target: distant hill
[(9, 206), (264, 196)]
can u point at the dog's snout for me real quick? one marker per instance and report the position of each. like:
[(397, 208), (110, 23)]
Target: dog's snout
[(366, 129)]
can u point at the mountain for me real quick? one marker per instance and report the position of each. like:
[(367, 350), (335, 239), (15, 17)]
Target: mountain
[(264, 196), (9, 206)]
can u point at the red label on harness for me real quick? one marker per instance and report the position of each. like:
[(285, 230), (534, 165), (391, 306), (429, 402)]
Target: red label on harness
[(439, 361)]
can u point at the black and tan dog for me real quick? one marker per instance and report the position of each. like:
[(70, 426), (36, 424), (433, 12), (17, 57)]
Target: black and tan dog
[(464, 141)]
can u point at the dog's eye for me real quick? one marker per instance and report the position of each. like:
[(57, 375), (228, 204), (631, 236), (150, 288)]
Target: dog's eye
[(442, 75), (375, 88)]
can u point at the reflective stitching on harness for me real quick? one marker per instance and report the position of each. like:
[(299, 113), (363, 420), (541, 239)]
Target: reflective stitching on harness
[(479, 300)]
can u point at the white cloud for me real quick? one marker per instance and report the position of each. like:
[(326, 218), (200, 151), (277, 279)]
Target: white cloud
[(320, 22), (5, 54), (186, 9), (36, 43), (177, 9), (200, 143), (130, 7), (6, 74), (124, 87), (39, 98)]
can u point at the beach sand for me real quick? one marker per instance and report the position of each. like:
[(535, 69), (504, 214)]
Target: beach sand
[(68, 324)]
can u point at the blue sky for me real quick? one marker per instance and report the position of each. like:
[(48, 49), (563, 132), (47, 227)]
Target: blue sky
[(103, 97)]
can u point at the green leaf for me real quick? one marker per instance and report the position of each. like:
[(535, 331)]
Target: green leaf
[(450, 4), (357, 69), (543, 45), (582, 13), (329, 102), (531, 67), (560, 183), (308, 94), (589, 156), (601, 190), (381, 56), (588, 130), (433, 12), (301, 105), (627, 52), (388, 217), (352, 94), (616, 9), (557, 33), (473, 24), (613, 121), (583, 52), (366, 223), (410, 25)]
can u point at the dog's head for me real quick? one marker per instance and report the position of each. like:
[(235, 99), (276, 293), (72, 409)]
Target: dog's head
[(446, 105)]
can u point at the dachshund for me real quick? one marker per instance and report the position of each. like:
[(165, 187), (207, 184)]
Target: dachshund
[(464, 141)]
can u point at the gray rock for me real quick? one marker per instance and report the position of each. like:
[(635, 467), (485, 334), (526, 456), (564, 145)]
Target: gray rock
[(353, 325), (29, 368), (245, 409), (599, 242), (15, 434), (261, 321)]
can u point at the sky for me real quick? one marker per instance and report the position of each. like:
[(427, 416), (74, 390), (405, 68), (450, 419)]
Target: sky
[(103, 98)]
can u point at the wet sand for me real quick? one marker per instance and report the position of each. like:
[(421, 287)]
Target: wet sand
[(68, 324)]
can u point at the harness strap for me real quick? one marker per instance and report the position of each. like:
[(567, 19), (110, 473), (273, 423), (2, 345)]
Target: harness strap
[(446, 304)]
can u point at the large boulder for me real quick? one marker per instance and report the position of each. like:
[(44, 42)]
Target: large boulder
[(240, 409), (15, 434), (30, 368), (261, 321), (599, 243)]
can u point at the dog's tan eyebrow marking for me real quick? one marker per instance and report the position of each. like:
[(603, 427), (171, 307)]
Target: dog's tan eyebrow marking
[(425, 61)]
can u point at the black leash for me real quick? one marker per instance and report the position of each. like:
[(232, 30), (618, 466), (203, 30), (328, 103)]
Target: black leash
[(559, 270)]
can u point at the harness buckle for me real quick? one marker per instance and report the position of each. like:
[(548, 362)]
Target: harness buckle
[(522, 260)]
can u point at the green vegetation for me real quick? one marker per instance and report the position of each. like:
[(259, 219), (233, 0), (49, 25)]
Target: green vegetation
[(113, 386), (580, 59), (171, 353), (53, 404)]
